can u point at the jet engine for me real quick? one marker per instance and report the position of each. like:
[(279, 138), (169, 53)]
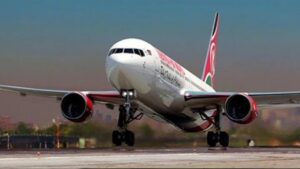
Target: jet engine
[(241, 108), (76, 107)]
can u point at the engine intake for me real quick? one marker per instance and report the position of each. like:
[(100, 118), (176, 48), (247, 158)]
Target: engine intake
[(76, 107), (241, 109)]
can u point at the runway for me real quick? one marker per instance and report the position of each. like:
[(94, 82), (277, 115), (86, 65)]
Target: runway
[(157, 158)]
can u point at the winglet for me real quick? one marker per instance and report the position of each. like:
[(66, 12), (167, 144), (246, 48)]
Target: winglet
[(209, 67)]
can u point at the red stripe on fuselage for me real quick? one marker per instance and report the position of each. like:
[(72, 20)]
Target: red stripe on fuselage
[(204, 125), (167, 60)]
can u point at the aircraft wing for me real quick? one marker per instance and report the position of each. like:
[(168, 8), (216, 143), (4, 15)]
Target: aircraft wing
[(263, 100), (104, 97)]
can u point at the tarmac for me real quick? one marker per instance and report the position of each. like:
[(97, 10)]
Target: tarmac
[(153, 158)]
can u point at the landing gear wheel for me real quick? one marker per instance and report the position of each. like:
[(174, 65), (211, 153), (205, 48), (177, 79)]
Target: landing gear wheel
[(224, 139), (116, 138), (219, 136), (129, 138), (212, 139)]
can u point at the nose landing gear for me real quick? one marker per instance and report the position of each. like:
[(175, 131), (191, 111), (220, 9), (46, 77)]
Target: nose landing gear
[(126, 115)]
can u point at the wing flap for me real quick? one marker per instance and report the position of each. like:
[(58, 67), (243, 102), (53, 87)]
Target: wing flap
[(263, 100), (104, 97), (207, 100), (24, 91), (277, 99)]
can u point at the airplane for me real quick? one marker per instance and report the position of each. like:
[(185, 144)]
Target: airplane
[(148, 82)]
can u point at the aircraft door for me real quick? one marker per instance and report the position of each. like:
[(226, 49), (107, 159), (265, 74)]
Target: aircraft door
[(149, 64)]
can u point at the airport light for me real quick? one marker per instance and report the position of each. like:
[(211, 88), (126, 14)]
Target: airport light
[(57, 134), (8, 141)]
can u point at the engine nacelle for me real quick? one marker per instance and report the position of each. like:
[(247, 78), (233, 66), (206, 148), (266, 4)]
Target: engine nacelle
[(241, 108), (76, 107)]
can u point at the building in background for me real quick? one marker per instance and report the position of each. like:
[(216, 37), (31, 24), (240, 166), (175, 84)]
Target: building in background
[(37, 142)]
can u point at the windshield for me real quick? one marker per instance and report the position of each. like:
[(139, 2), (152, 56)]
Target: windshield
[(127, 50)]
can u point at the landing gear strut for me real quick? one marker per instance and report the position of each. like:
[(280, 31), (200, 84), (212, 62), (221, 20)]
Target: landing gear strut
[(219, 136), (126, 115)]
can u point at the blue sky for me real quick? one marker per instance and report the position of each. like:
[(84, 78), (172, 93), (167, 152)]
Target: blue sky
[(63, 43)]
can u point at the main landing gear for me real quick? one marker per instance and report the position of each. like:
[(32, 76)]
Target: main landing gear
[(126, 115), (218, 136)]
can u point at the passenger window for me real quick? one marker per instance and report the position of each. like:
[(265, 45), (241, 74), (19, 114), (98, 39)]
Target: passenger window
[(119, 50), (128, 51), (142, 53)]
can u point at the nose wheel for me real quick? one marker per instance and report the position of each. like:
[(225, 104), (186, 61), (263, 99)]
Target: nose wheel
[(126, 115), (118, 137)]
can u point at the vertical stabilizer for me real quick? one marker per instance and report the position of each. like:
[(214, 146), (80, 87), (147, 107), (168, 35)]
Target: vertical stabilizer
[(209, 67)]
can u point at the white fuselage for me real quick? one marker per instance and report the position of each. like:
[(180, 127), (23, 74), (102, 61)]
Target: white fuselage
[(159, 83)]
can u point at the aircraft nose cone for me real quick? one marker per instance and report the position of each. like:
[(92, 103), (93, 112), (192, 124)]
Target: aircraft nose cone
[(120, 58), (114, 63), (117, 68)]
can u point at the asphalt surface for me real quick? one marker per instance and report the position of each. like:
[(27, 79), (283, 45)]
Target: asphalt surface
[(157, 158)]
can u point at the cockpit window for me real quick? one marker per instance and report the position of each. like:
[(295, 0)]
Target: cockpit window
[(136, 51), (128, 50), (142, 53), (112, 51), (118, 50)]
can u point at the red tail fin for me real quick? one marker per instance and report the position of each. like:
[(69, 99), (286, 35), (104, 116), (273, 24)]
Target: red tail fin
[(209, 67)]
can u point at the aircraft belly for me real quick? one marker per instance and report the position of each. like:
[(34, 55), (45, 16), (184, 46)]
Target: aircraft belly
[(167, 105), (163, 101), (195, 126)]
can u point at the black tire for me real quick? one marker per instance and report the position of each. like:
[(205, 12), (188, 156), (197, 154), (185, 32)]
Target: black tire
[(212, 139), (129, 138), (224, 139), (116, 138)]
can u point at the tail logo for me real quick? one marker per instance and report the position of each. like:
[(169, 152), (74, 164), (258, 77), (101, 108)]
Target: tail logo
[(212, 57), (209, 67)]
